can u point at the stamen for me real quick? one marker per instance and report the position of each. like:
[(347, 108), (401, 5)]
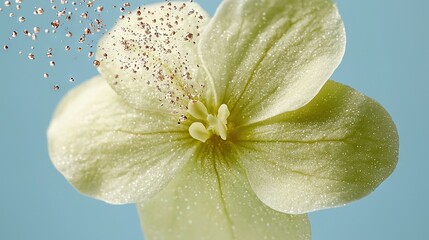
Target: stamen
[(223, 113), (198, 131), (213, 124), (198, 110)]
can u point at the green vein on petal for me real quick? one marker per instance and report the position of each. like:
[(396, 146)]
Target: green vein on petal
[(336, 149), (211, 199), (271, 56), (111, 151)]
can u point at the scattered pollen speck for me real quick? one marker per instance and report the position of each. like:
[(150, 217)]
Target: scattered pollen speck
[(96, 63), (39, 11), (76, 26)]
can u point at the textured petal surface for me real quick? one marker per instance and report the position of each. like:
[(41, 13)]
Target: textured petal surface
[(151, 54), (270, 56), (111, 151), (336, 149), (212, 199)]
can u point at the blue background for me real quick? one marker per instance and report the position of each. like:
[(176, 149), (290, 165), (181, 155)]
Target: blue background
[(387, 58)]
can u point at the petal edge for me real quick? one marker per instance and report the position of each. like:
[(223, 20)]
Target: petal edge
[(335, 150)]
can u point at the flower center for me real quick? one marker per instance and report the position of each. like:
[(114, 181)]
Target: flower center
[(210, 124)]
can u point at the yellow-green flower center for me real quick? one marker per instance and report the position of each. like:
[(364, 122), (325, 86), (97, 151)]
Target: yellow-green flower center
[(210, 124)]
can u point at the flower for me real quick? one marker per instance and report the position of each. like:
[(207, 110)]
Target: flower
[(223, 128)]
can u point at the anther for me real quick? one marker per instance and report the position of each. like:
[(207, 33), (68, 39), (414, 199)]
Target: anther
[(210, 124)]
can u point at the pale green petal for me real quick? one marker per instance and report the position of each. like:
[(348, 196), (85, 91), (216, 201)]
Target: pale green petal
[(336, 149), (151, 55), (111, 151), (270, 56), (211, 199)]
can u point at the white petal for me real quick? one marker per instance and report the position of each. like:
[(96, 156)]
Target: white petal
[(336, 149), (111, 151), (271, 56), (151, 55), (211, 199)]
